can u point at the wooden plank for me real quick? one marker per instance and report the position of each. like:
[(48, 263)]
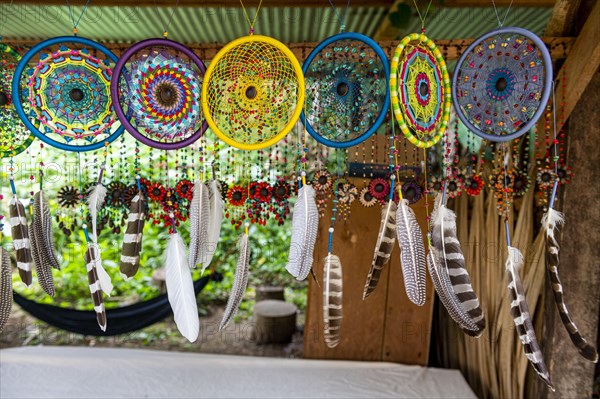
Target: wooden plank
[(562, 18), (451, 49), (579, 68), (363, 323)]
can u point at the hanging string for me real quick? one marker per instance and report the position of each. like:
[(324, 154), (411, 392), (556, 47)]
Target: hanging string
[(162, 22), (555, 145), (251, 23), (76, 23), (501, 23), (335, 204), (422, 17), (341, 19)]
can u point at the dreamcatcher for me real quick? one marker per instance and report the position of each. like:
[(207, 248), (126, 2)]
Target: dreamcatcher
[(61, 91), (252, 96), (420, 91), (501, 85)]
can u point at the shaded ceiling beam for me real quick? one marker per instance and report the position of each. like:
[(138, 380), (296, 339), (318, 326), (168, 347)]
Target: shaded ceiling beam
[(281, 3), (562, 20), (580, 66), (559, 47)]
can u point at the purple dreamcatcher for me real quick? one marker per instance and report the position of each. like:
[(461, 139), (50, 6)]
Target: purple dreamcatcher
[(156, 89)]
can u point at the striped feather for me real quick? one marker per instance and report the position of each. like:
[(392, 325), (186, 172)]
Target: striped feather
[(95, 201), (199, 224), (550, 221), (91, 258), (383, 249), (521, 317), (21, 243), (42, 267), (412, 254), (332, 300), (305, 223), (240, 282), (5, 287), (446, 264), (43, 226), (132, 240)]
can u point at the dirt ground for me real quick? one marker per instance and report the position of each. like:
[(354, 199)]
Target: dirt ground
[(236, 339)]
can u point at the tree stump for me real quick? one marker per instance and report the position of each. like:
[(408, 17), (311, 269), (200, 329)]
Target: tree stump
[(158, 277), (275, 321), (266, 292)]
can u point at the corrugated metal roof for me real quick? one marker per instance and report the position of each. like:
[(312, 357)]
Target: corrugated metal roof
[(206, 25), (189, 25), (465, 23)]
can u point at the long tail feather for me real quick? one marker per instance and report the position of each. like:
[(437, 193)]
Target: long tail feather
[(5, 288), (383, 249), (132, 241), (214, 221), (332, 300), (240, 282), (180, 288), (520, 314), (21, 243), (42, 267), (447, 267), (413, 253), (305, 224), (199, 219), (550, 221), (95, 288), (43, 226)]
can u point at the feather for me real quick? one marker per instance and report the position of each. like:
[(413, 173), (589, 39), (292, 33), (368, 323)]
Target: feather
[(383, 249), (180, 288), (550, 221), (95, 200), (412, 254), (42, 267), (132, 240), (214, 221), (43, 227), (91, 257), (240, 282), (332, 300), (199, 224), (5, 287), (521, 317), (21, 243), (103, 277), (446, 265), (305, 224)]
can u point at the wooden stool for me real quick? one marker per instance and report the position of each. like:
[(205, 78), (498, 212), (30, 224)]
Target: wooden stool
[(275, 321)]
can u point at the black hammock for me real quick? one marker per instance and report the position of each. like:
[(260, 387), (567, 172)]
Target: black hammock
[(120, 320)]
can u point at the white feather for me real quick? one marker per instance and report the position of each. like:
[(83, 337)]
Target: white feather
[(95, 201), (180, 288), (199, 224), (550, 220), (305, 223), (214, 221)]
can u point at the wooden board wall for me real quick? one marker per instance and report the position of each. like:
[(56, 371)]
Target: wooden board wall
[(384, 327)]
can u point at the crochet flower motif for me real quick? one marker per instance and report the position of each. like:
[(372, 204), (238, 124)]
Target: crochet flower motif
[(347, 193), (474, 185), (185, 189), (156, 192), (322, 180), (411, 191), (365, 197), (237, 195), (68, 196), (115, 195), (379, 188), (545, 178), (521, 183)]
